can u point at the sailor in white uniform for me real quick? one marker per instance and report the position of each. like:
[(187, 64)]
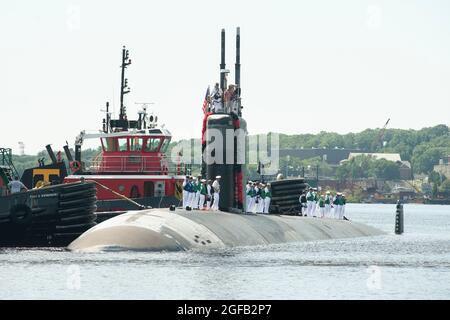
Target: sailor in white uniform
[(203, 194), (256, 198), (209, 195), (216, 98), (216, 187), (310, 202), (248, 198), (328, 201), (197, 188), (267, 199), (338, 205), (191, 191), (261, 198), (185, 191)]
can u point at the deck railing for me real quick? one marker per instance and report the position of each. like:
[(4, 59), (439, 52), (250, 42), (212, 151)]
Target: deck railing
[(156, 165)]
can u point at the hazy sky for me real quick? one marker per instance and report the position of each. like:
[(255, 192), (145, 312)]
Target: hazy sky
[(307, 66)]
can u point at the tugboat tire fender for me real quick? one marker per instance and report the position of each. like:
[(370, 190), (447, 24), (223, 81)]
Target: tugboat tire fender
[(18, 209)]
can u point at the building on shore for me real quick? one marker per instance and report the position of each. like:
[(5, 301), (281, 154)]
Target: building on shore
[(443, 167)]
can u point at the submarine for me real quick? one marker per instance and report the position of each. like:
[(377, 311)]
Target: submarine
[(178, 229)]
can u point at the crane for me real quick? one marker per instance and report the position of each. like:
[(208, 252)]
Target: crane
[(379, 139)]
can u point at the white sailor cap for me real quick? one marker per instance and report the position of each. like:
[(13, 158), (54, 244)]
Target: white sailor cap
[(218, 177)]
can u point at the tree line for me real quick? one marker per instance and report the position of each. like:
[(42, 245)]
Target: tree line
[(422, 148)]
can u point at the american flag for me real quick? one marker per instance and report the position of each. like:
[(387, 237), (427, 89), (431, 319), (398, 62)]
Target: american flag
[(206, 102)]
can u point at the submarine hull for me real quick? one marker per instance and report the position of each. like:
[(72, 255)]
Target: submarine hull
[(165, 230)]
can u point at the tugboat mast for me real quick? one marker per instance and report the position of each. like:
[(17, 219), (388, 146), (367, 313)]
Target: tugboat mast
[(124, 89)]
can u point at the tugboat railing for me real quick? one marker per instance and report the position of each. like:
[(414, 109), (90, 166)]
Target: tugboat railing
[(151, 164)]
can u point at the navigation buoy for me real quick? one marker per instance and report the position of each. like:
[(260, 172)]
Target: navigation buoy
[(399, 218)]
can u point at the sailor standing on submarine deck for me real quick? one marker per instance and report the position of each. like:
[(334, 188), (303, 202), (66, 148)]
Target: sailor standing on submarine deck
[(248, 197), (322, 206), (262, 197), (198, 188), (203, 194), (268, 195), (316, 200), (216, 187), (328, 200), (257, 198), (209, 195), (337, 205), (191, 190), (216, 97), (251, 194), (310, 197), (303, 204), (185, 191)]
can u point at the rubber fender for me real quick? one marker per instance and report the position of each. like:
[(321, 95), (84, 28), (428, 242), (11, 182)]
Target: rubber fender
[(21, 209)]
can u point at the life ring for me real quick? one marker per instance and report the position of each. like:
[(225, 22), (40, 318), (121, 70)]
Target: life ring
[(75, 166), (20, 208)]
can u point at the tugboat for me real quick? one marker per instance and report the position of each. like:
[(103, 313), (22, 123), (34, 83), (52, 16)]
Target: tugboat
[(132, 170), (49, 215)]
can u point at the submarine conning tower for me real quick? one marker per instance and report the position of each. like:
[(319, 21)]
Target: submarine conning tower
[(225, 137)]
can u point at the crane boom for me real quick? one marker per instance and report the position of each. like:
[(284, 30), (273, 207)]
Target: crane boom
[(378, 141)]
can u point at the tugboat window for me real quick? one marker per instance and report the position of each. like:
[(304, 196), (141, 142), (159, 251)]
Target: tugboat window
[(152, 144), (165, 145), (136, 144), (110, 144), (123, 145)]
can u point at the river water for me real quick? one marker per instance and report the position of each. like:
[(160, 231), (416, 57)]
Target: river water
[(415, 265)]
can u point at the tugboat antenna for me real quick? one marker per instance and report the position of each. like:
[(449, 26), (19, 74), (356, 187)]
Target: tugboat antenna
[(142, 121), (124, 89), (107, 119)]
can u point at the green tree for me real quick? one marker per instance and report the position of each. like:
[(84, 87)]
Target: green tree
[(445, 186), (434, 177), (434, 190)]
